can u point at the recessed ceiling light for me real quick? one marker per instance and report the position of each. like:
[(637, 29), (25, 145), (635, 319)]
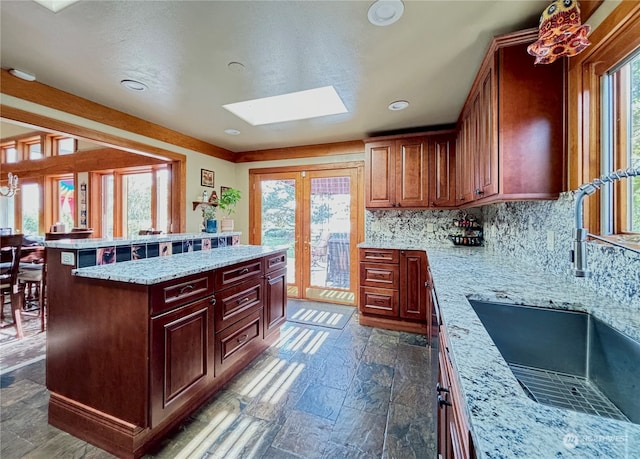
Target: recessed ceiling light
[(134, 85), (398, 105), (22, 74), (385, 12), (236, 67), (232, 131), (299, 105)]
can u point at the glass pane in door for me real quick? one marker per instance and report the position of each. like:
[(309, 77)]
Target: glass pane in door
[(279, 221), (330, 237), (30, 208)]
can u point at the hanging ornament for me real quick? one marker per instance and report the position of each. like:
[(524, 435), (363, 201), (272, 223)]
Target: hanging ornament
[(560, 32)]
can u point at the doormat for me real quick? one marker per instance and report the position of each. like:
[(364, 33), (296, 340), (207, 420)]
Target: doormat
[(319, 314)]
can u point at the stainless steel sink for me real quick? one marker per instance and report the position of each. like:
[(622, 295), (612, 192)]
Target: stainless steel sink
[(567, 359)]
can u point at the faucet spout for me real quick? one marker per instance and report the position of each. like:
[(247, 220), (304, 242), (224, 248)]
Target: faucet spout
[(579, 251)]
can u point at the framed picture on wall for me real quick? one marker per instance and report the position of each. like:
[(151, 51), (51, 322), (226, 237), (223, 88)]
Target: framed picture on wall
[(207, 178), (223, 189)]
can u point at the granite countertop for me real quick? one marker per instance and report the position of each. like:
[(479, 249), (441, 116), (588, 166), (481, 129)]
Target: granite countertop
[(94, 243), (149, 271), (504, 422)]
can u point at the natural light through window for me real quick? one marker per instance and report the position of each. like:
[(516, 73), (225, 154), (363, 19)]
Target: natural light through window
[(621, 146), (299, 105)]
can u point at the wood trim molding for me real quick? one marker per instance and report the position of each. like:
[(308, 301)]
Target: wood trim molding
[(310, 167), (615, 38), (51, 97), (307, 151)]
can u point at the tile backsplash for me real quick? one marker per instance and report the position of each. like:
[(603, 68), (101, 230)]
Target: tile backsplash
[(537, 233)]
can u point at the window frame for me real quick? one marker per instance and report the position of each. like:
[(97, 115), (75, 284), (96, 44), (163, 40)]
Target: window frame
[(616, 38)]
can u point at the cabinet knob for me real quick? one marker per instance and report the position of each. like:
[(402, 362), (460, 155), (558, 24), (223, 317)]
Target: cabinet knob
[(479, 192), (212, 301), (427, 284), (442, 402)]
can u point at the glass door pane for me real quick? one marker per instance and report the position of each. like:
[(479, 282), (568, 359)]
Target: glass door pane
[(278, 208), (330, 238), (66, 208)]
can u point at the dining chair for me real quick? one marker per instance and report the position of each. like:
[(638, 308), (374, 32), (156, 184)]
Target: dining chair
[(10, 248), (32, 274)]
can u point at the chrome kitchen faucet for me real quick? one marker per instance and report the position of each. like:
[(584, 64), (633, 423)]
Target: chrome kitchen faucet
[(580, 234)]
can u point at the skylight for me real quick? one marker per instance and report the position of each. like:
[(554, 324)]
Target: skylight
[(56, 5), (299, 105)]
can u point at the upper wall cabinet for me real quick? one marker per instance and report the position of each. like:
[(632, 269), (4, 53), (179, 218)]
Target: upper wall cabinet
[(410, 172), (511, 137)]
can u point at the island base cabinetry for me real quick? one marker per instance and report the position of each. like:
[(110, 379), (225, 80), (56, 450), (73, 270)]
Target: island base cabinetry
[(126, 363), (395, 290)]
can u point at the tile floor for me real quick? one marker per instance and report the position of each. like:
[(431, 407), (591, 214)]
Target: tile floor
[(316, 393)]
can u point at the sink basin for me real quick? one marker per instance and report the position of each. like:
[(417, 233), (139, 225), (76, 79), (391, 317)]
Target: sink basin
[(567, 359)]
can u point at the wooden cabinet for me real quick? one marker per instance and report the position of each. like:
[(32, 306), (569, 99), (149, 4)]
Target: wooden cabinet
[(275, 305), (395, 290), (511, 142), (410, 172), (454, 438), (182, 350)]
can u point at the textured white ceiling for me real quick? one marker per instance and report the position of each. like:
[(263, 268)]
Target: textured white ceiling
[(181, 50)]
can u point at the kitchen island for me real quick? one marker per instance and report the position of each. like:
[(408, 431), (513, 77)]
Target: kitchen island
[(501, 420), (133, 347)]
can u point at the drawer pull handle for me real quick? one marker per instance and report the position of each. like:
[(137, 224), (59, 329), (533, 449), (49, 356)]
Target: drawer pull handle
[(244, 300), (213, 301), (242, 338), (439, 388), (186, 288), (442, 402), (244, 271), (427, 284)]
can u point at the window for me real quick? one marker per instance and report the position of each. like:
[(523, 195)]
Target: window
[(30, 194), (134, 200), (64, 145), (620, 201), (9, 153)]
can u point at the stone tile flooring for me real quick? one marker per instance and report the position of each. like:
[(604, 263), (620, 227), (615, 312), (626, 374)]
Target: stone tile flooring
[(359, 392)]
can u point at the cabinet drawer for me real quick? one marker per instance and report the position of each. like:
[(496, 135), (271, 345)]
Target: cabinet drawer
[(275, 262), (236, 302), (379, 275), (379, 301), (238, 341), (170, 294), (227, 276), (379, 255)]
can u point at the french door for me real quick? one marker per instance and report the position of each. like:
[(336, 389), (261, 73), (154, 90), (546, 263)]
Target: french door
[(317, 212)]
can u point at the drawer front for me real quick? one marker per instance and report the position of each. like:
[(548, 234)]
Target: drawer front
[(236, 302), (379, 275), (379, 255), (177, 292), (238, 341), (379, 301), (275, 262), (229, 275)]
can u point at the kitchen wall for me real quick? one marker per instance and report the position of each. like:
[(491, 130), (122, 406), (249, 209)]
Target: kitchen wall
[(537, 233)]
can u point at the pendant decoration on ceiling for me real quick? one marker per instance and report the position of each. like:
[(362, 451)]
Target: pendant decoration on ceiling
[(560, 33)]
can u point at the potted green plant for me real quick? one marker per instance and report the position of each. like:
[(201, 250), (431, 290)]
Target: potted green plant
[(227, 203), (209, 216)]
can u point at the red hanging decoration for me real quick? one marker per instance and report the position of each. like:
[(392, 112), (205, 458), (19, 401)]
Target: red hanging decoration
[(560, 33)]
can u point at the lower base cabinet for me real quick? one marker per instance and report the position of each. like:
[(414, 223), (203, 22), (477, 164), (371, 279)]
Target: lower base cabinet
[(275, 306), (182, 357), (395, 290), (454, 438)]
